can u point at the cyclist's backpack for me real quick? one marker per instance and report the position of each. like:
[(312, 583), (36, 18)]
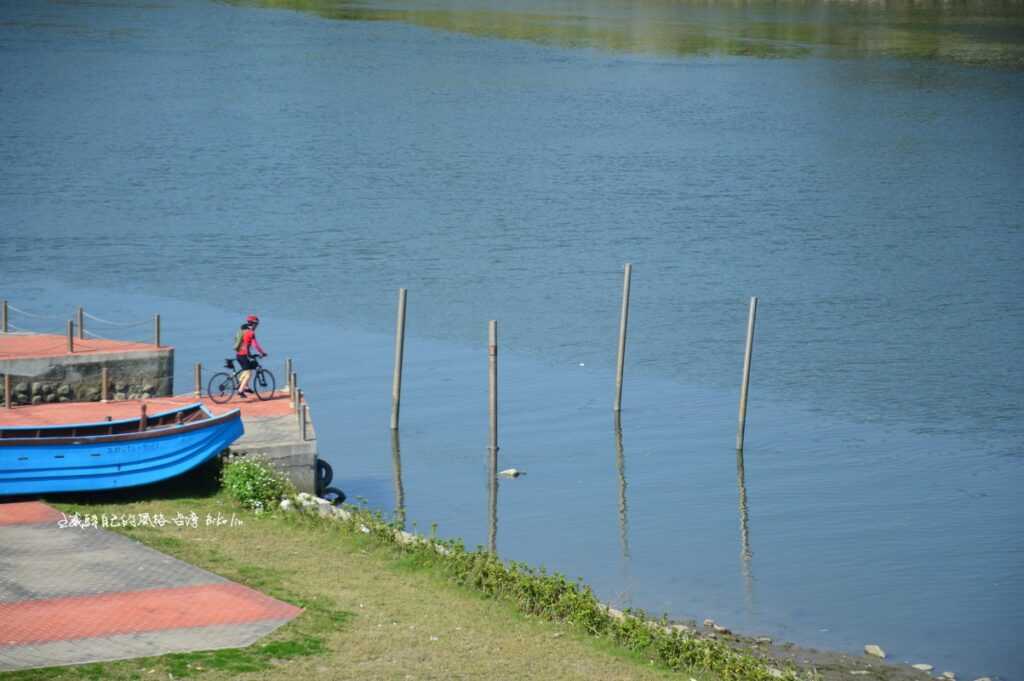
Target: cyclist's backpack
[(239, 335)]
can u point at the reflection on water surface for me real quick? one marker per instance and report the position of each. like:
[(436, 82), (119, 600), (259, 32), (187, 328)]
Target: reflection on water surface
[(966, 32)]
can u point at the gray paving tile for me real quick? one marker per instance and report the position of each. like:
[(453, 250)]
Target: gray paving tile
[(44, 561), (129, 646)]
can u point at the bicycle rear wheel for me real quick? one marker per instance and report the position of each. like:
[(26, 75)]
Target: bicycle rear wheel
[(263, 384), (221, 387)]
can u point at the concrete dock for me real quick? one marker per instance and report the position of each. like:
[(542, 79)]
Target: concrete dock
[(44, 370), (15, 346), (272, 427), (75, 595), (51, 383)]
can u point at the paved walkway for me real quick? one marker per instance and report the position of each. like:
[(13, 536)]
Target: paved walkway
[(73, 596)]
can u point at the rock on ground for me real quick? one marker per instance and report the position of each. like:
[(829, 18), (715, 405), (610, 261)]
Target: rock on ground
[(872, 649)]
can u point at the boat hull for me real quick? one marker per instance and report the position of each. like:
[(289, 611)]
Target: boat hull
[(104, 463)]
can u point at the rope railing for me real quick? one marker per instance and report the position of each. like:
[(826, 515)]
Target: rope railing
[(121, 324), (90, 334), (76, 325), (32, 332), (32, 314)]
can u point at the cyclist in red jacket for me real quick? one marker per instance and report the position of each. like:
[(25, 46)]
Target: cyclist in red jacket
[(245, 343)]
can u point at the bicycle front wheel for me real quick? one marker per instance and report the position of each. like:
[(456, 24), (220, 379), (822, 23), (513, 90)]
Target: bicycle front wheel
[(263, 384), (221, 387)]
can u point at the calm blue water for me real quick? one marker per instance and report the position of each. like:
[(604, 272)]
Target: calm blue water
[(204, 160)]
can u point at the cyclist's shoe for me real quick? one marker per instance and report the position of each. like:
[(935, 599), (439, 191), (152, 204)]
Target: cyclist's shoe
[(245, 393)]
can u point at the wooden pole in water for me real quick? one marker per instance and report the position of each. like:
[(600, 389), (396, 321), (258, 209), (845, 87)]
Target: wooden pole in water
[(294, 394), (3, 317), (746, 374), (71, 336), (303, 420), (81, 323), (492, 361), (199, 379), (142, 417), (396, 383), (288, 375), (156, 330), (623, 321), (7, 391), (105, 388)]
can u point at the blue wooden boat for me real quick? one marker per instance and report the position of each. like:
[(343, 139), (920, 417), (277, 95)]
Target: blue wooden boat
[(112, 454)]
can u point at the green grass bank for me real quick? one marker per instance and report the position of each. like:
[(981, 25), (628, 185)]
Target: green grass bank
[(379, 608)]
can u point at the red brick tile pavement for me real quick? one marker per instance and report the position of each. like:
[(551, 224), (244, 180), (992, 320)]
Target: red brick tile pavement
[(17, 346), (30, 622), (89, 412), (28, 513)]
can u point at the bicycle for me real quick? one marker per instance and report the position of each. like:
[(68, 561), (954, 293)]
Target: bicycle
[(224, 385)]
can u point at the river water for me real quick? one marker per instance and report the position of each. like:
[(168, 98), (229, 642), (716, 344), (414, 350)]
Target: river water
[(858, 168)]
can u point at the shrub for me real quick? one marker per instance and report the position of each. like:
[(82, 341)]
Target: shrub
[(253, 483)]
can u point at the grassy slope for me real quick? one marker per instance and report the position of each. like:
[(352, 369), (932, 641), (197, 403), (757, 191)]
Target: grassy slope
[(370, 612)]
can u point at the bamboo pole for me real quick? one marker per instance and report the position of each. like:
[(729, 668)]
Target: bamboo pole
[(81, 323), (288, 375), (71, 336), (294, 390), (396, 383), (492, 402), (623, 322), (105, 388), (8, 398), (741, 427), (199, 379), (4, 317), (156, 330)]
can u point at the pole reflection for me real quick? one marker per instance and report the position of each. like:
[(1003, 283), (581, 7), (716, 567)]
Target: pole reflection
[(625, 596), (396, 464), (745, 553), (620, 464)]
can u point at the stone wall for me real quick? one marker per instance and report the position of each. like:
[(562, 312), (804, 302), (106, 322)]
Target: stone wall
[(70, 378)]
